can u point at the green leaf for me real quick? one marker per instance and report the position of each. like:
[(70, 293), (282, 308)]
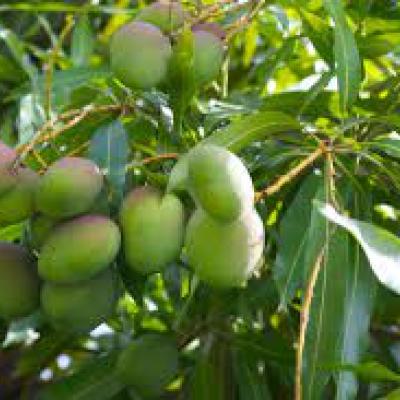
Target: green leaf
[(109, 149), (82, 43), (320, 34), (95, 380), (373, 371), (359, 302), (293, 240), (205, 384), (252, 384), (381, 247), (255, 127), (323, 339), (348, 66)]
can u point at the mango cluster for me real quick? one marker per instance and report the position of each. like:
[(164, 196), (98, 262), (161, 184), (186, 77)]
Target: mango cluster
[(225, 235), (141, 50), (69, 270)]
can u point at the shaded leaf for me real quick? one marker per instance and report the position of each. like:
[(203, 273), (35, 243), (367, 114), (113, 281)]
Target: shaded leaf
[(82, 42), (293, 239), (95, 380), (109, 149)]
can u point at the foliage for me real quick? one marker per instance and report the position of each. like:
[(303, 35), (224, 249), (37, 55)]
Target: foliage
[(308, 97)]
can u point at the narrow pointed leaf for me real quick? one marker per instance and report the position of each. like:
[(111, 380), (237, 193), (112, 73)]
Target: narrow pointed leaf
[(347, 58), (381, 247), (252, 128)]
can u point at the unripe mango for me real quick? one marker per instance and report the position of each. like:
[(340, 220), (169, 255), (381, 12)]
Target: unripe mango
[(7, 155), (40, 228), (139, 55), (152, 229), (208, 54), (224, 254), (69, 187), (7, 173), (219, 182), (17, 204), (149, 364), (19, 284), (79, 307), (79, 249), (167, 16)]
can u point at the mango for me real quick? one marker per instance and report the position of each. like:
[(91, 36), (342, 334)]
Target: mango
[(149, 364), (152, 229), (17, 204), (219, 182), (7, 155), (80, 307), (8, 174), (19, 283), (208, 55), (139, 55), (166, 15), (68, 188), (79, 249), (224, 254)]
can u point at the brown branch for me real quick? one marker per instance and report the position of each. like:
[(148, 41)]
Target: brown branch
[(293, 173), (72, 118), (304, 318), (165, 156), (243, 21)]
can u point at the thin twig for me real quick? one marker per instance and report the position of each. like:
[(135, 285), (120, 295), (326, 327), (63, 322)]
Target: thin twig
[(46, 132), (293, 173), (304, 318), (244, 20)]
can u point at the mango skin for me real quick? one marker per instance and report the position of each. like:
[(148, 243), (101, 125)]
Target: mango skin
[(79, 307), (7, 155), (149, 364), (40, 228), (19, 283), (17, 204), (224, 255), (79, 249), (219, 182), (68, 188), (166, 16), (152, 229), (8, 175), (208, 55), (139, 55)]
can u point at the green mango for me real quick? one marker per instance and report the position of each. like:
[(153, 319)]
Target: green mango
[(79, 249), (80, 307), (224, 254), (208, 55), (17, 204), (149, 364), (219, 182), (8, 175), (166, 16), (152, 229), (139, 55), (68, 188), (19, 283), (7, 155)]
